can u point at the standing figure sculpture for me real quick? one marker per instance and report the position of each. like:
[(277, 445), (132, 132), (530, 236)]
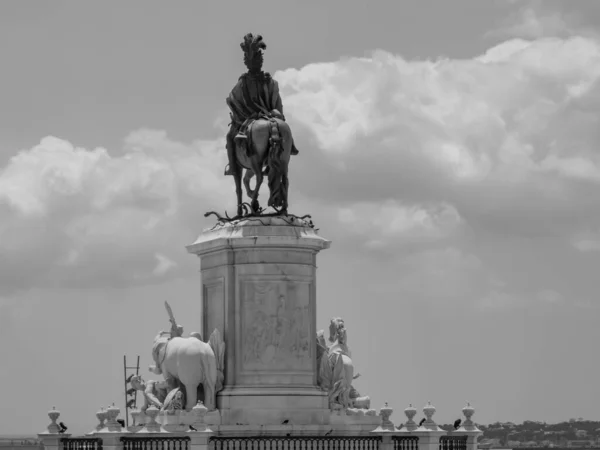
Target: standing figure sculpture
[(335, 369), (259, 137)]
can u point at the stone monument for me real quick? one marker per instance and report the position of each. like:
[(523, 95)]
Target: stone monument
[(258, 368), (259, 291)]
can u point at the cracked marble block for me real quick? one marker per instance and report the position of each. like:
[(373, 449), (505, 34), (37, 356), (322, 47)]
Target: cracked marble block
[(258, 288)]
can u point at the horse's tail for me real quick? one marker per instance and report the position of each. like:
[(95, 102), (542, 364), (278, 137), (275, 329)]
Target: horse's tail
[(277, 188)]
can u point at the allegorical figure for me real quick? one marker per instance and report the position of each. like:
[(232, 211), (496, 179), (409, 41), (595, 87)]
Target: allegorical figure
[(256, 94), (154, 392), (335, 368)]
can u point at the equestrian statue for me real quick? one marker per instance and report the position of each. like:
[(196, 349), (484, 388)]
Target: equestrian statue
[(259, 140)]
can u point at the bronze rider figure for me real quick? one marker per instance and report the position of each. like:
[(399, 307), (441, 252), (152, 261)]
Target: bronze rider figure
[(255, 94)]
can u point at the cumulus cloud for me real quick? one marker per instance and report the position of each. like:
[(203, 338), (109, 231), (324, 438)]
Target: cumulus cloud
[(437, 155), (389, 222), (503, 133), (531, 23), (78, 217)]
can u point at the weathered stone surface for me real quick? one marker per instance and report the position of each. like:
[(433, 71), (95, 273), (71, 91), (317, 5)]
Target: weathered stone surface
[(258, 290)]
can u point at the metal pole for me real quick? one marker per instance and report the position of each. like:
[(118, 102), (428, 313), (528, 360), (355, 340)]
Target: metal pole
[(125, 382), (137, 372)]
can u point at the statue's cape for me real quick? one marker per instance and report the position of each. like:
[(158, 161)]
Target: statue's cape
[(252, 96)]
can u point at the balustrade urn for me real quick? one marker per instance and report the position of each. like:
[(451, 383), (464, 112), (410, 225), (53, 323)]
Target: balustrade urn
[(53, 427), (152, 426), (429, 410), (112, 412), (101, 415), (410, 413), (386, 423), (137, 417), (199, 412), (468, 412)]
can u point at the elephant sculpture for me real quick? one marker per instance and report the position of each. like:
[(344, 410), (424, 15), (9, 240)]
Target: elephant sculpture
[(189, 362)]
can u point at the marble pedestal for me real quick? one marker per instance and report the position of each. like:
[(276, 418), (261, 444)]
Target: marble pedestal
[(258, 288)]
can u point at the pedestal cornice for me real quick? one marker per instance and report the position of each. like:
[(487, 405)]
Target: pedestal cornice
[(278, 231)]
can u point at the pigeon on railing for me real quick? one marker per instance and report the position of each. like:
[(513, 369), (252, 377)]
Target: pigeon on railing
[(121, 422), (422, 421), (192, 428), (63, 428), (457, 423)]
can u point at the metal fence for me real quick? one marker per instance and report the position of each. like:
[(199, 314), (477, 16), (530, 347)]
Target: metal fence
[(295, 443), (405, 442), (156, 443), (453, 443), (81, 443)]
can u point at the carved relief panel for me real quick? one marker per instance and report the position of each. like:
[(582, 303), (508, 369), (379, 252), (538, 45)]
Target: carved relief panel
[(213, 307), (275, 318)]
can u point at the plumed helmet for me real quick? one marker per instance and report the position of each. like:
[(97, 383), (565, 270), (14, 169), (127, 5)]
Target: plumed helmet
[(253, 47)]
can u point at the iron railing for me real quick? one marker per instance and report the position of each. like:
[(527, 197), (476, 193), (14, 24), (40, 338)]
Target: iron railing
[(453, 443), (295, 443), (156, 443), (405, 442), (81, 443)]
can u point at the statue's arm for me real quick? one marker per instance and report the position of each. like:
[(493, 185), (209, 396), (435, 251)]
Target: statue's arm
[(278, 103), (149, 392)]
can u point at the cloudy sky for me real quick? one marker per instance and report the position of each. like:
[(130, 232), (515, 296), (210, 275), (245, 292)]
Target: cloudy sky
[(448, 149)]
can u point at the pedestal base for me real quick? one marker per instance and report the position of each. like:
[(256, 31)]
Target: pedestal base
[(269, 406), (259, 291)]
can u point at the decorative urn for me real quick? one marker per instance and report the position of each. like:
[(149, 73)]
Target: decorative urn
[(152, 425), (385, 414), (137, 415), (112, 412), (410, 413), (199, 411), (429, 411), (101, 415), (53, 414), (468, 412)]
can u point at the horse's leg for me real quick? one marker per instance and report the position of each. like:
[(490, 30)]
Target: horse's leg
[(247, 177), (288, 144), (285, 182), (260, 141), (256, 168), (237, 176)]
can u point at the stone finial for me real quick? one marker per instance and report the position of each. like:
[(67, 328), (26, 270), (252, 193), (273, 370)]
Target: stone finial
[(410, 413), (385, 413), (112, 412), (136, 416), (153, 426), (101, 415), (199, 411), (53, 427), (468, 412), (429, 411)]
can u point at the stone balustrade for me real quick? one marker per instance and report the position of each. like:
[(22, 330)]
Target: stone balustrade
[(183, 430)]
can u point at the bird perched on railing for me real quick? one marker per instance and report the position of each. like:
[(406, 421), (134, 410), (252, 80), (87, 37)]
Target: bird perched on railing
[(63, 428), (121, 422), (422, 421), (192, 428), (457, 423)]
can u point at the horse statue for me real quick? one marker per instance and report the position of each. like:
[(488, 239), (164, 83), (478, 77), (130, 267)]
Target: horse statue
[(272, 142), (259, 140)]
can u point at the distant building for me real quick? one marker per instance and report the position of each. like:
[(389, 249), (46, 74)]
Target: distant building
[(580, 443)]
